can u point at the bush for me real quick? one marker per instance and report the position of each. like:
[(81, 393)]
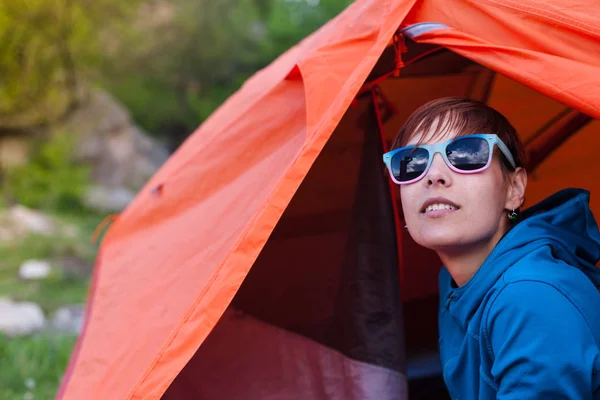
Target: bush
[(48, 48), (51, 180), (32, 367)]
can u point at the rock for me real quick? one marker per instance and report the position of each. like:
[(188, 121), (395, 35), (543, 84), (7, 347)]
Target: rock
[(30, 383), (69, 319), (19, 221), (21, 318), (31, 221), (14, 150), (107, 199), (34, 269), (120, 154)]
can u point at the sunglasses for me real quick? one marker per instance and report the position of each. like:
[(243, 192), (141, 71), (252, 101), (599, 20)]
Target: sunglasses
[(464, 154)]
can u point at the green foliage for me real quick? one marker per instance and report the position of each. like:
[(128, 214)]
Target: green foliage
[(171, 62), (35, 364), (32, 367), (173, 75), (154, 104), (46, 47), (292, 20), (51, 180), (58, 289)]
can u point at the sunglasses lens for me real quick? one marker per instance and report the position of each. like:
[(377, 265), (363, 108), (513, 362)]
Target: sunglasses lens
[(409, 164), (468, 154)]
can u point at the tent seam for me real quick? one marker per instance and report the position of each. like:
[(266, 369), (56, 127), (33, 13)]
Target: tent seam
[(210, 283), (308, 145), (528, 75), (154, 182), (92, 294), (242, 114), (300, 48), (552, 16), (175, 332)]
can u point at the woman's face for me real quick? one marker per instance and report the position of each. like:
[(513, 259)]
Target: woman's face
[(469, 211)]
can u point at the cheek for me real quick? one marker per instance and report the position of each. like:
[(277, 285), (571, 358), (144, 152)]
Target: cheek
[(408, 200), (491, 190), (486, 200), (411, 203)]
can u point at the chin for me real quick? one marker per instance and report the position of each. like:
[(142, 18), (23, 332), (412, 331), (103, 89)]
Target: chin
[(439, 241)]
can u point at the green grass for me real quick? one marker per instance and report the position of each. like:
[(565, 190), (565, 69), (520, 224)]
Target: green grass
[(32, 367), (52, 292), (60, 288)]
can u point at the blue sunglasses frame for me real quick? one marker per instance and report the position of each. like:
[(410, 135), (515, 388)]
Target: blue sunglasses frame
[(432, 149)]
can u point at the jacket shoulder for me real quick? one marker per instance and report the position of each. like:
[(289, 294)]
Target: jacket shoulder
[(554, 272), (528, 279)]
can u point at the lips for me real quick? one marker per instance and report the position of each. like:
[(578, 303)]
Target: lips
[(438, 204)]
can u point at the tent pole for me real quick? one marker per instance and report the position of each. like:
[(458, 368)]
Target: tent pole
[(481, 86), (551, 137)]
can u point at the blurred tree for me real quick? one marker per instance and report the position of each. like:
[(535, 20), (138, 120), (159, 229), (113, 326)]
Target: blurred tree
[(292, 20), (264, 7), (175, 69), (172, 62), (45, 46), (52, 180), (172, 71)]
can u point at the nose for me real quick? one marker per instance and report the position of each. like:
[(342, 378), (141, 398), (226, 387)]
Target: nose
[(439, 173)]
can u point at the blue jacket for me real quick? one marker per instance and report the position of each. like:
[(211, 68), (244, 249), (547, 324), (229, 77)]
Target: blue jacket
[(527, 324)]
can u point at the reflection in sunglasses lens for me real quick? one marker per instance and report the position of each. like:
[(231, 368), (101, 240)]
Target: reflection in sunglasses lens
[(409, 164), (468, 154)]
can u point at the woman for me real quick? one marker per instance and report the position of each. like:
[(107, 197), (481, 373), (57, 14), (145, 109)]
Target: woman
[(519, 313)]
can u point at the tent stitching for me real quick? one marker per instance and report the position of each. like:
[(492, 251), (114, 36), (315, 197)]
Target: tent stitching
[(497, 48), (552, 16)]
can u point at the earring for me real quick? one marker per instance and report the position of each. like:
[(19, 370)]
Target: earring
[(405, 227), (512, 215)]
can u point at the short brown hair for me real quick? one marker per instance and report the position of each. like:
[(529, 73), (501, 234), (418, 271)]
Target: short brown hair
[(464, 116)]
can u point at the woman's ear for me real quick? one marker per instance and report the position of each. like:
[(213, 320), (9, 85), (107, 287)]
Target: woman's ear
[(517, 184)]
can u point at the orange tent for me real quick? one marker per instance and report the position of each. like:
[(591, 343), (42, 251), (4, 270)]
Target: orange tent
[(265, 259)]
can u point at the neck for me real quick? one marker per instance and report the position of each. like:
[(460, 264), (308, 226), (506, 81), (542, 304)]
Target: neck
[(462, 263)]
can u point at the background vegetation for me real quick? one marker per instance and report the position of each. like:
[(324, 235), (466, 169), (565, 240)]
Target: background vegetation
[(171, 62)]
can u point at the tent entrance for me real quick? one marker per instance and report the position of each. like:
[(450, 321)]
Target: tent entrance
[(323, 313), (547, 127), (326, 285)]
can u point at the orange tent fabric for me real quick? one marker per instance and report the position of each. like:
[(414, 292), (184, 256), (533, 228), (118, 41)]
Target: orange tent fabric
[(173, 261)]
